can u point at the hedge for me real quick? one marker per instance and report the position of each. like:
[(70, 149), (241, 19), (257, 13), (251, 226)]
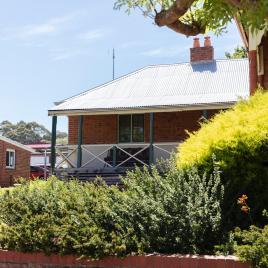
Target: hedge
[(239, 140), (174, 212)]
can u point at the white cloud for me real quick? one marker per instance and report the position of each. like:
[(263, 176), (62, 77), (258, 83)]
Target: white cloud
[(52, 26), (92, 35)]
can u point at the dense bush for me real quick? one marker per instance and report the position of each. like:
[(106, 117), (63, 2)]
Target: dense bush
[(239, 140), (252, 245), (249, 245), (174, 212)]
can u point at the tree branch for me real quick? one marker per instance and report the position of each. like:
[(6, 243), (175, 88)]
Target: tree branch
[(177, 10), (186, 29), (171, 17)]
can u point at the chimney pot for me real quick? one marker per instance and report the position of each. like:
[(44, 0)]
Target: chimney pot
[(196, 42), (207, 42)]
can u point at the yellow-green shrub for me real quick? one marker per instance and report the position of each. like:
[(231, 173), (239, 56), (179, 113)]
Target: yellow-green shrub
[(239, 139)]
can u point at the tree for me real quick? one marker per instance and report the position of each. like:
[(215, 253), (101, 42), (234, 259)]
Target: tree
[(239, 53), (193, 17), (27, 133)]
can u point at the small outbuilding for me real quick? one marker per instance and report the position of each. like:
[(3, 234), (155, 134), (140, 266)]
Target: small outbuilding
[(14, 161)]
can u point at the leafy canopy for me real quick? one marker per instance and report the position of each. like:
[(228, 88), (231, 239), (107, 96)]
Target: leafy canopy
[(191, 17), (28, 132), (239, 53)]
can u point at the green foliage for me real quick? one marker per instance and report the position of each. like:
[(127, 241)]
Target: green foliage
[(28, 133), (210, 14), (249, 245), (170, 213), (239, 140), (252, 245), (178, 212), (239, 53)]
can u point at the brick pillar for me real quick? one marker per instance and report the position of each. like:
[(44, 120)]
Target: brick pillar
[(253, 75), (265, 61)]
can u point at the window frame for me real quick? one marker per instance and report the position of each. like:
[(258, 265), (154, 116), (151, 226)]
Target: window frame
[(14, 163), (131, 129)]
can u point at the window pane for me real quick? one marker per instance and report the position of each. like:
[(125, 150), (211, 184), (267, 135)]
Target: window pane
[(124, 128), (7, 159), (12, 159), (138, 128)]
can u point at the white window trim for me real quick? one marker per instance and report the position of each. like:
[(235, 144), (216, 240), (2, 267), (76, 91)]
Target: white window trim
[(11, 151)]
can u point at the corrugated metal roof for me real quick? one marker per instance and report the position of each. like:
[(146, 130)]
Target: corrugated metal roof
[(175, 85)]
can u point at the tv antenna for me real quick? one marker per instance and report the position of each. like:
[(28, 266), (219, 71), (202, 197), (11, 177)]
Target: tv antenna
[(113, 64)]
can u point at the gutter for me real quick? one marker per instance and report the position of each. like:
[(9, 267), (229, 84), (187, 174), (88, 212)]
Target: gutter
[(151, 109)]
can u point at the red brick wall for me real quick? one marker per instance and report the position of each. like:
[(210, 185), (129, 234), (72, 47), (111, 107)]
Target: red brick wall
[(253, 74), (256, 79), (97, 129), (202, 54), (168, 127), (11, 259), (265, 53), (22, 167), (72, 130)]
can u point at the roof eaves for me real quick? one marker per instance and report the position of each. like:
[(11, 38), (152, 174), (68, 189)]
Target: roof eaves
[(145, 109)]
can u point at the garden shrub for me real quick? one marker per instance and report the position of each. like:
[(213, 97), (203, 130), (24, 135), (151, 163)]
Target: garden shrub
[(177, 212), (249, 245), (238, 138), (57, 217), (252, 245)]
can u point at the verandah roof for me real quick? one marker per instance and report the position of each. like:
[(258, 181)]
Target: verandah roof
[(208, 85)]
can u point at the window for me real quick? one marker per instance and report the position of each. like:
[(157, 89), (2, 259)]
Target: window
[(10, 158), (260, 60), (138, 128), (131, 128)]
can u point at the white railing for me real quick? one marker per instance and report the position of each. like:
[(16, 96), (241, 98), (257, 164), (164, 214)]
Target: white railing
[(164, 150), (134, 156), (95, 155), (67, 155), (101, 156)]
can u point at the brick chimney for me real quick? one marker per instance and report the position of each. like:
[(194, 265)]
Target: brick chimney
[(202, 54)]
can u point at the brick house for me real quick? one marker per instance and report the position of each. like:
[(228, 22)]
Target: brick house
[(143, 116), (257, 44), (14, 161)]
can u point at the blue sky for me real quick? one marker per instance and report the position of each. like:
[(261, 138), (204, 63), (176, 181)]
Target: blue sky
[(53, 49)]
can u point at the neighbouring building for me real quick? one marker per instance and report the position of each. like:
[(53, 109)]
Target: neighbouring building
[(257, 44), (143, 116), (41, 157), (14, 161)]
